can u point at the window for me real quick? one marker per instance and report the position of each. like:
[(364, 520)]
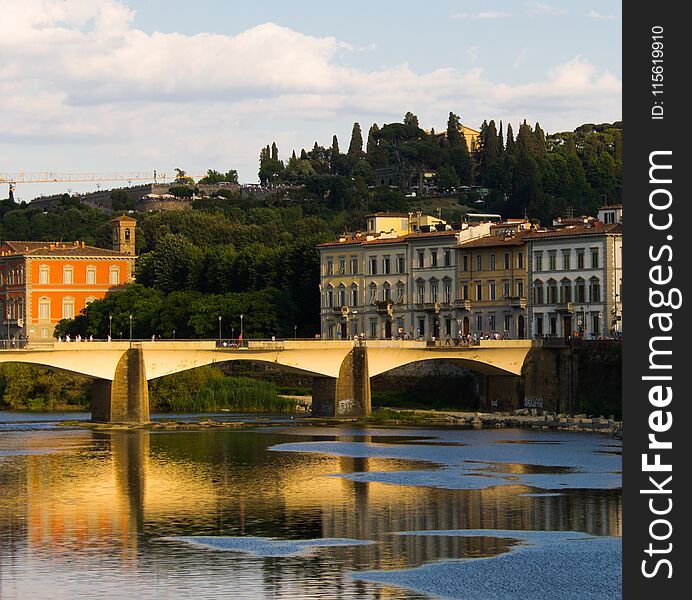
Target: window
[(91, 275), (479, 322), (354, 266), (580, 259), (479, 291), (506, 260), (433, 292), (491, 290), (491, 322), (565, 291), (44, 309), (330, 267), (44, 274), (508, 323), (553, 325), (68, 308), (399, 293), (373, 329), (505, 289), (421, 260), (539, 324), (448, 327), (67, 276), (114, 275), (386, 293), (465, 262), (329, 297), (373, 294), (594, 258), (566, 260), (465, 291), (354, 295), (552, 261), (538, 292), (342, 265), (400, 264), (538, 261), (492, 262), (520, 260), (447, 293), (421, 293), (448, 258), (386, 265), (342, 295), (421, 327), (127, 234), (580, 290), (595, 324), (373, 265), (479, 262), (595, 287), (520, 288), (433, 258), (552, 292), (89, 300)]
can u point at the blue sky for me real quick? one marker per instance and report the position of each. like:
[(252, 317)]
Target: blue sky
[(106, 85)]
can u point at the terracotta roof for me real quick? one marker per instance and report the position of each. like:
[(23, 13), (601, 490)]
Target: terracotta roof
[(596, 228), (490, 241), (124, 218), (351, 241), (57, 249), (389, 214)]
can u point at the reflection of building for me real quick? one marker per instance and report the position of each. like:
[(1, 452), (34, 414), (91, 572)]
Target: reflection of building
[(576, 279), (43, 282), (398, 277), (493, 281)]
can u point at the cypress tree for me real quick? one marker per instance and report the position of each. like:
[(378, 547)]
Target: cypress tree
[(411, 119), (372, 143), (509, 146), (500, 141), (335, 146), (539, 142), (355, 148), (275, 152)]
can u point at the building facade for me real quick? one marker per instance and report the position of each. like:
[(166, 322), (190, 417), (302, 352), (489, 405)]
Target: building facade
[(44, 282), (399, 279), (493, 282), (576, 281)]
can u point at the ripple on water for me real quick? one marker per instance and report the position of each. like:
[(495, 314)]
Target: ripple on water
[(580, 567)]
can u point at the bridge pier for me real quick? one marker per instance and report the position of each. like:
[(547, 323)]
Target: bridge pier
[(126, 398), (349, 394)]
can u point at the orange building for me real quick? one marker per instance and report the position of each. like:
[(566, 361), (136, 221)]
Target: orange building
[(44, 282)]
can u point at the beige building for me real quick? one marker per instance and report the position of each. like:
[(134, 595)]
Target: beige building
[(398, 279)]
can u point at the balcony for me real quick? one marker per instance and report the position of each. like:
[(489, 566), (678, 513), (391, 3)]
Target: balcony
[(384, 307), (564, 307), (517, 302), (430, 306), (462, 304)]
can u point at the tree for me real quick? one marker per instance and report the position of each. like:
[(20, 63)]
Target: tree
[(355, 148), (411, 119), (213, 177), (446, 179), (181, 178), (120, 200), (372, 141)]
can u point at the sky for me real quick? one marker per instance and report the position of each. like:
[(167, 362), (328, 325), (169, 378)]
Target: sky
[(143, 85)]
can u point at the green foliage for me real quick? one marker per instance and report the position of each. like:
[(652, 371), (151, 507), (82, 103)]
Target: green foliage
[(120, 200), (213, 177), (206, 388), (26, 387)]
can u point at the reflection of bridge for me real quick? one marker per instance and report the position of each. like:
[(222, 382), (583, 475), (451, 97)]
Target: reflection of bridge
[(341, 369)]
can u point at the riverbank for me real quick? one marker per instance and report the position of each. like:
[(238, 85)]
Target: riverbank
[(387, 417)]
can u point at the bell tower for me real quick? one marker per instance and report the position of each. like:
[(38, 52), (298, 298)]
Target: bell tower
[(123, 231)]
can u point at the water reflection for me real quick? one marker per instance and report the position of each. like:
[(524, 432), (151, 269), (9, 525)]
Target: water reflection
[(79, 505)]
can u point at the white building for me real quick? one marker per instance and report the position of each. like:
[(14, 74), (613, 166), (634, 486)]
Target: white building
[(575, 275)]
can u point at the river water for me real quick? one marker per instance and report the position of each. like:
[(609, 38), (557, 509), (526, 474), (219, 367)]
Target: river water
[(289, 510)]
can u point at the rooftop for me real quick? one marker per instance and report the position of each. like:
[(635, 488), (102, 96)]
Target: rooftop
[(75, 249)]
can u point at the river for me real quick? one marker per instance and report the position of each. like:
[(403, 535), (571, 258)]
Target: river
[(289, 510)]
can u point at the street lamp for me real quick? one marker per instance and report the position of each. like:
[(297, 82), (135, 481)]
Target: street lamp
[(295, 332), (110, 327), (241, 328), (219, 329), (174, 334), (130, 328)]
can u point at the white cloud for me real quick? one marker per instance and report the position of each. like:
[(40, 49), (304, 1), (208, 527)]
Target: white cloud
[(488, 14), (82, 89), (545, 9), (596, 15)]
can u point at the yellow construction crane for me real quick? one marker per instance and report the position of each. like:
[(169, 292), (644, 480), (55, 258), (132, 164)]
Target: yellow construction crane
[(50, 177)]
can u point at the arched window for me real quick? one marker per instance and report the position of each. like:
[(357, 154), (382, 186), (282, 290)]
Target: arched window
[(342, 295), (91, 275), (44, 309), (538, 292), (565, 290), (354, 295), (68, 275), (329, 296), (44, 274), (89, 300), (552, 291), (114, 275), (595, 289), (68, 307), (580, 290), (127, 234), (386, 292), (373, 293)]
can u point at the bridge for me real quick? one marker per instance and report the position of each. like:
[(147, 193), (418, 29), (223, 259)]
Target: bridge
[(341, 369)]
